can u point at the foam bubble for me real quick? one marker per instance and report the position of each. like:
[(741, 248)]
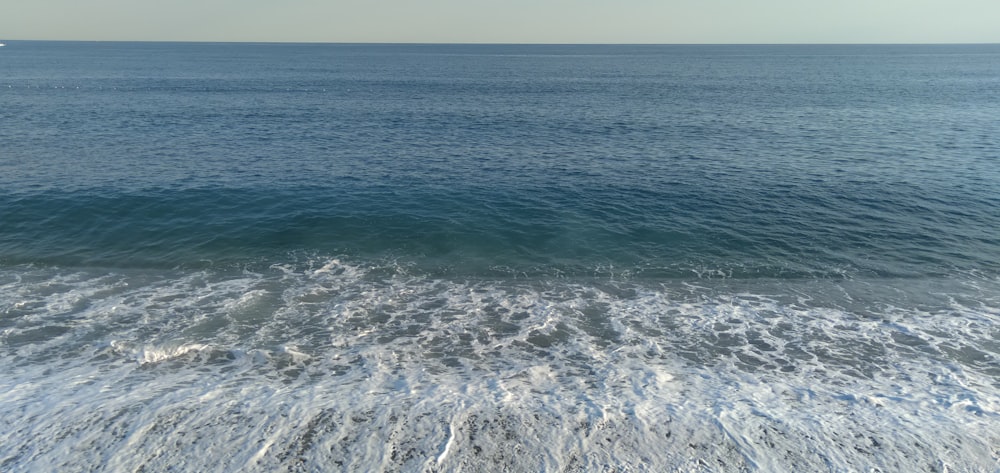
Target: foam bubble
[(329, 364)]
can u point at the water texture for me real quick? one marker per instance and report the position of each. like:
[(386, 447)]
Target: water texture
[(288, 257)]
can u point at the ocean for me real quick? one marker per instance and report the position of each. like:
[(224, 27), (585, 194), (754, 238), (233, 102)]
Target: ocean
[(375, 257)]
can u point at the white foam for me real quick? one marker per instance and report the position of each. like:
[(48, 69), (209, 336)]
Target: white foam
[(156, 354), (331, 368)]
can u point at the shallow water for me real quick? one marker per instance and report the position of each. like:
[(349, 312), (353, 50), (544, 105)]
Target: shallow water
[(333, 365)]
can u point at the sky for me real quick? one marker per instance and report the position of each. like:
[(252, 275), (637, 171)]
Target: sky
[(507, 21)]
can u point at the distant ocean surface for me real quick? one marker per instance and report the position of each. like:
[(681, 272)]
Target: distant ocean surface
[(313, 257)]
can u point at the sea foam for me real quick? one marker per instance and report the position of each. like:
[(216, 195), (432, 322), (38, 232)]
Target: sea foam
[(303, 368)]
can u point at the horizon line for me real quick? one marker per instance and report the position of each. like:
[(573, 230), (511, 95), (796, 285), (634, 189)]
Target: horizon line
[(491, 43)]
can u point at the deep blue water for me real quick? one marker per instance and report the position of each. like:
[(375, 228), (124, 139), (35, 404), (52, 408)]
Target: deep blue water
[(321, 232), (796, 161)]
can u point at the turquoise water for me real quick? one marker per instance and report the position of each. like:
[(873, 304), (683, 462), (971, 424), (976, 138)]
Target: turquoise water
[(444, 257)]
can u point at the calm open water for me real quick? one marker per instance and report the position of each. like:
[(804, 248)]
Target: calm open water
[(281, 257)]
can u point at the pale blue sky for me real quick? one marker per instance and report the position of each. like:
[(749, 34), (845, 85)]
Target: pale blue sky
[(509, 21)]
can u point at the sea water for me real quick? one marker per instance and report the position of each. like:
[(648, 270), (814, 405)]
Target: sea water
[(309, 257)]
